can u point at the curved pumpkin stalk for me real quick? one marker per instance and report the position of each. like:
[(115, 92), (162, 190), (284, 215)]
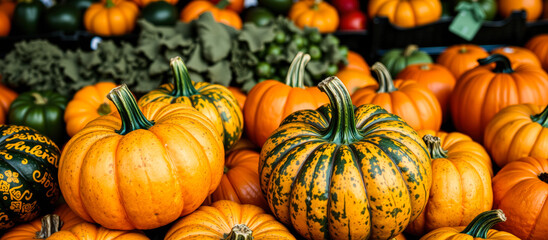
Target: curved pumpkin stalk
[(433, 144), (541, 118), (182, 85), (240, 232), (132, 117), (503, 64), (386, 84), (295, 74), (51, 224), (479, 227)]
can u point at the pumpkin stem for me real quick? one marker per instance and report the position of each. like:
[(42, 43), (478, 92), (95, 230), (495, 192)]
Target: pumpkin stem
[(386, 84), (131, 115), (463, 49), (222, 4), (410, 50), (103, 109), (479, 227), (433, 144), (541, 118), (109, 4), (182, 84), (295, 74), (240, 232), (543, 177), (226, 169), (51, 224), (342, 128), (503, 64), (316, 4), (424, 67), (39, 99)]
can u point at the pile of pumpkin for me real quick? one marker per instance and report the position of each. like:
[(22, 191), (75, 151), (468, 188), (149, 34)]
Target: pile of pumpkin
[(355, 157)]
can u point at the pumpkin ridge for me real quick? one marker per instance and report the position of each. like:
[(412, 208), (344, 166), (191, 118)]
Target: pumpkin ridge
[(353, 151), (266, 93)]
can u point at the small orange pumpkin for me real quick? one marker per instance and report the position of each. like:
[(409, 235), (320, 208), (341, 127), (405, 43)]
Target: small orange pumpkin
[(88, 231), (5, 24), (518, 55), (195, 8), (533, 8), (406, 13), (356, 62), (461, 58), (539, 46), (6, 97), (315, 13), (111, 17), (236, 5)]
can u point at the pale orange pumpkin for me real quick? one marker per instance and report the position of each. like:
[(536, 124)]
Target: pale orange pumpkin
[(315, 14), (406, 13)]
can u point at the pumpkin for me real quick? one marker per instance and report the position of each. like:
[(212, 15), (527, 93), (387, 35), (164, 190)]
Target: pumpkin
[(5, 25), (8, 7), (236, 5), (355, 79), (144, 168), (142, 3), (518, 55), (195, 8), (314, 14), (42, 228), (436, 78), (406, 13), (461, 58), (483, 91), (521, 190), (533, 8), (397, 59), (42, 111), (239, 95), (88, 231), (240, 181), (461, 182), (28, 174), (229, 221), (344, 173), (6, 98), (538, 45), (479, 228), (517, 131), (213, 100), (399, 237), (356, 62), (111, 17), (408, 99), (270, 101), (88, 103)]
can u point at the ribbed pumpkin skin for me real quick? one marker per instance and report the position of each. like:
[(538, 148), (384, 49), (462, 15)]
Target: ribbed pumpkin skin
[(28, 231), (105, 20), (461, 184), (329, 185), (461, 58), (146, 178), (523, 196), (539, 46), (355, 79), (518, 55), (213, 100), (195, 8), (214, 222), (408, 13), (356, 62), (88, 231), (314, 14), (482, 92), (6, 97), (513, 134)]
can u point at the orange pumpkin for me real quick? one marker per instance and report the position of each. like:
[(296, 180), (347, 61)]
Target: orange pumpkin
[(533, 8), (400, 237), (408, 99), (406, 13), (236, 5), (356, 62), (517, 131), (143, 168), (230, 221), (539, 46), (461, 58), (518, 55), (520, 189), (88, 103), (45, 226), (240, 182), (142, 3), (483, 91), (111, 17), (435, 77), (5, 24), (88, 231), (7, 6), (315, 14), (6, 97), (195, 8), (355, 79), (461, 182), (240, 96), (270, 101)]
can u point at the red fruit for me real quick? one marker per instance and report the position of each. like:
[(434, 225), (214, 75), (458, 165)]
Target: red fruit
[(352, 21), (344, 6)]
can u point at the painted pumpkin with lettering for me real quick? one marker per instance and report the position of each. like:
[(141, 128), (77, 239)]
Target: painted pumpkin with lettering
[(28, 174), (341, 172), (6, 97), (213, 100), (143, 167)]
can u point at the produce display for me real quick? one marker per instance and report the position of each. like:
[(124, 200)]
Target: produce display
[(273, 119)]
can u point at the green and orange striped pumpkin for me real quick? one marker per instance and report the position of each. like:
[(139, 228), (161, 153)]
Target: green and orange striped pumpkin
[(344, 173)]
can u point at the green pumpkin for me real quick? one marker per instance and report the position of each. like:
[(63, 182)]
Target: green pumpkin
[(28, 16), (41, 110), (397, 59), (259, 15), (488, 6), (341, 172), (160, 13), (28, 175), (63, 17), (81, 5)]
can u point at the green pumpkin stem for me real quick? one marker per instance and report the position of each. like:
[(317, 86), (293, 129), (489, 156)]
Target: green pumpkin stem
[(386, 84), (295, 74), (39, 99), (51, 224), (183, 86), (543, 177), (541, 118), (433, 144), (410, 50), (503, 64), (342, 128), (131, 115), (240, 232), (222, 4), (316, 5), (109, 4), (479, 227), (104, 109)]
